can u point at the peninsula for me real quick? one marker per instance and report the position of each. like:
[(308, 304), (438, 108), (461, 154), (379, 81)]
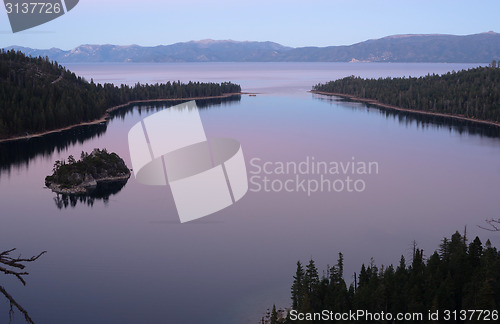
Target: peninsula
[(470, 95), (38, 96)]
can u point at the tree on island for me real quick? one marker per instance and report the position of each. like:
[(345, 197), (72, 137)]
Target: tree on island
[(75, 177)]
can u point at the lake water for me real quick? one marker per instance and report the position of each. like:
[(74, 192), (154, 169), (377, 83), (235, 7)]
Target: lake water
[(124, 257)]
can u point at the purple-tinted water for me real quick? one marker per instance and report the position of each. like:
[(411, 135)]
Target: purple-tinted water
[(129, 260)]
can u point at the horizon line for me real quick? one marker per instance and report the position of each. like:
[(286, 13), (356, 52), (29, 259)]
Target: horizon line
[(210, 40)]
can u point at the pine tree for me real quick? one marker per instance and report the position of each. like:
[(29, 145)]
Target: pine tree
[(274, 315), (459, 277), (298, 289)]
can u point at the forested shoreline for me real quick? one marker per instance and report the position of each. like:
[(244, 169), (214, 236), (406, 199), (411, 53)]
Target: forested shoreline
[(471, 94), (37, 95), (459, 276)]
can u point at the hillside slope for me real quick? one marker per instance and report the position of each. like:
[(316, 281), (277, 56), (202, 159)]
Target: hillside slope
[(478, 48), (37, 95), (473, 94)]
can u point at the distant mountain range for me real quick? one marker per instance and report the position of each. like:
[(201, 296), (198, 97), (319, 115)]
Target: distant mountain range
[(477, 48)]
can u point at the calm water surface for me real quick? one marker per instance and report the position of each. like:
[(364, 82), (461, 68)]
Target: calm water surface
[(123, 257)]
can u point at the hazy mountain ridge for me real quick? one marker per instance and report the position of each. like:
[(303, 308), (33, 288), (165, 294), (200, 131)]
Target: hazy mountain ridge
[(477, 48)]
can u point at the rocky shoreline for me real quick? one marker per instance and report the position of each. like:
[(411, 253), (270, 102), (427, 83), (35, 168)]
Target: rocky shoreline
[(108, 112), (86, 186), (83, 176), (391, 107)]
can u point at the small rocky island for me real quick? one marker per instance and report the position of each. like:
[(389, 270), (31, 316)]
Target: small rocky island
[(83, 176)]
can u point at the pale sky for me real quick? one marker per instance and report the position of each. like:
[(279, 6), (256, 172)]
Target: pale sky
[(288, 22)]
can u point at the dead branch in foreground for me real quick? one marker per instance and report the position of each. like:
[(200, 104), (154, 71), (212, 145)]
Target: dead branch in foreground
[(14, 266), (494, 225), (14, 303)]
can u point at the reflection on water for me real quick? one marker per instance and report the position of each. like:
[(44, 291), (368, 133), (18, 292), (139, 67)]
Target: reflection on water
[(102, 191), (218, 102), (159, 105), (424, 121), (20, 153), (440, 122), (432, 182)]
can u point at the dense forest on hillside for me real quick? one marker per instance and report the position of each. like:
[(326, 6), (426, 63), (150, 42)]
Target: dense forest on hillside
[(460, 276), (37, 95), (474, 93)]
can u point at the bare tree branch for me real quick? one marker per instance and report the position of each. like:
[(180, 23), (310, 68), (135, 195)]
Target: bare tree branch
[(14, 303), (17, 274), (14, 264), (494, 225), (7, 252)]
